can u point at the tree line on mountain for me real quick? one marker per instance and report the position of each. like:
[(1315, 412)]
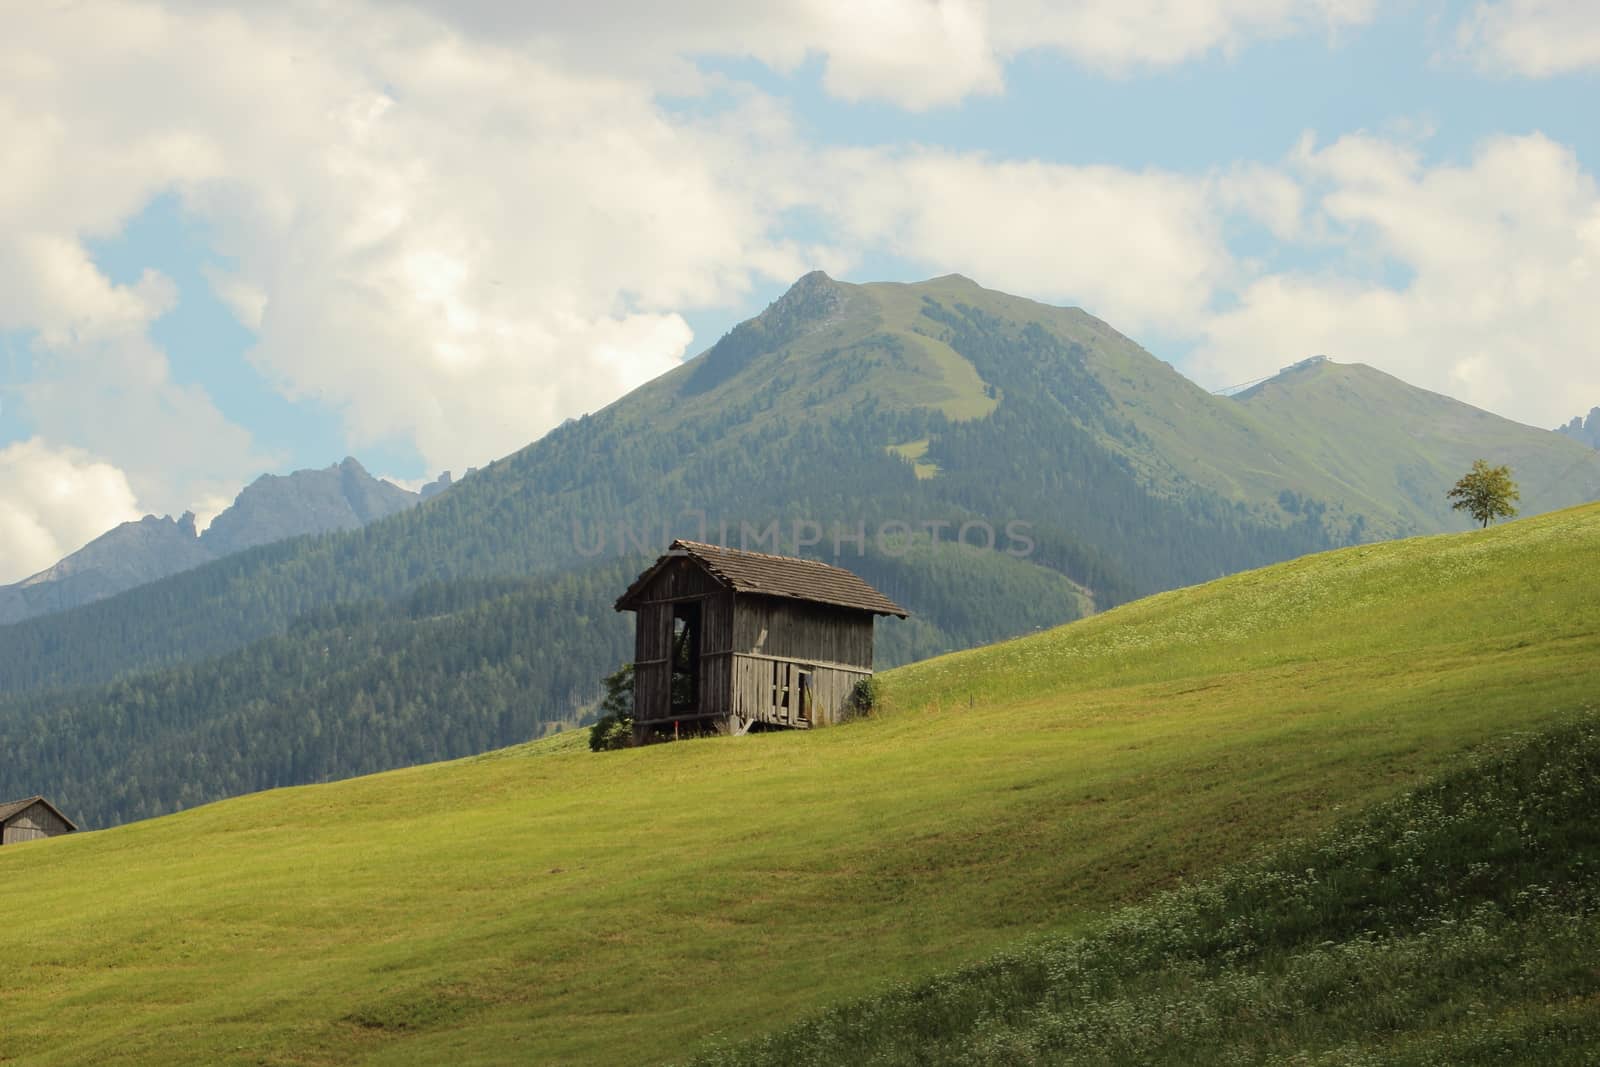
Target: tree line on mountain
[(354, 688), (483, 616), (1036, 458), (451, 669)]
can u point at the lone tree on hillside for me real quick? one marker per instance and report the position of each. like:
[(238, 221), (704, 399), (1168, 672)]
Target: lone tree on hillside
[(1486, 493)]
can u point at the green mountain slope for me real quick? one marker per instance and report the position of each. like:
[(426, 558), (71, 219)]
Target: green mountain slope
[(549, 904), (800, 416), (128, 555), (1386, 447), (449, 670), (941, 408), (272, 508), (855, 405)]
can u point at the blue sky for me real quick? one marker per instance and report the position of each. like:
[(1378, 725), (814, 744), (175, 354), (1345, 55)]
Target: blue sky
[(426, 234)]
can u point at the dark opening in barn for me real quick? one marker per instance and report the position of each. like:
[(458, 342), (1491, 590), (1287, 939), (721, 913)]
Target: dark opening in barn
[(727, 640), (685, 655)]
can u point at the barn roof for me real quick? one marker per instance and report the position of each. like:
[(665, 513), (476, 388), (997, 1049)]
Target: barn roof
[(17, 807), (768, 575)]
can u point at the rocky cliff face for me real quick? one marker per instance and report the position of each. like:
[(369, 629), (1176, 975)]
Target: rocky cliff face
[(437, 486), (1585, 430), (121, 558), (272, 508)]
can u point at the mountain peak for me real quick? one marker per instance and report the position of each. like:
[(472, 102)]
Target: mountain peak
[(813, 295), (437, 486), (339, 497), (1586, 431), (812, 278), (812, 303)]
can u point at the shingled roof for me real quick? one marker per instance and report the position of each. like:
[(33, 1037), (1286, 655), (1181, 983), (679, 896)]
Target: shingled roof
[(14, 807), (768, 575)]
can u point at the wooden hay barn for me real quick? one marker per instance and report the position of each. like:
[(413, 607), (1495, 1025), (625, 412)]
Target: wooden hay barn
[(30, 819), (727, 639)]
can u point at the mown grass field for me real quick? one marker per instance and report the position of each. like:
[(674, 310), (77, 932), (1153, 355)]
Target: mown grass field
[(1454, 925), (546, 904)]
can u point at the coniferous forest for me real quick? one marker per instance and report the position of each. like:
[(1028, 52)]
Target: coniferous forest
[(484, 616)]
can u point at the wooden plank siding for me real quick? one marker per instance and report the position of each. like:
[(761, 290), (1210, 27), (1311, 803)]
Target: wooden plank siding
[(766, 689), (797, 630), (32, 823), (754, 651), (652, 667), (681, 577), (681, 581)]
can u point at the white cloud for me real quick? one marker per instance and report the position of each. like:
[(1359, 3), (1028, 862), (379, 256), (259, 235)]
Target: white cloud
[(914, 53), (53, 501), (1141, 249), (458, 232), (248, 302), (83, 156), (1495, 263), (443, 239), (1118, 35), (1535, 38), (98, 381)]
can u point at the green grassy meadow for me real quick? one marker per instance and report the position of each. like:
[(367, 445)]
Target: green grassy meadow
[(1453, 925), (546, 904)]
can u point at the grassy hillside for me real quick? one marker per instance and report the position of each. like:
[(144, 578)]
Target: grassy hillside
[(1454, 925), (848, 406), (940, 406), (548, 904), (450, 670), (1411, 441), (843, 404), (801, 415)]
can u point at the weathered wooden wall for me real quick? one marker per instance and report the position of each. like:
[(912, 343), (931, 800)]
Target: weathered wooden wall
[(776, 639), (32, 823), (753, 650), (680, 581), (652, 667), (767, 689), (792, 629)]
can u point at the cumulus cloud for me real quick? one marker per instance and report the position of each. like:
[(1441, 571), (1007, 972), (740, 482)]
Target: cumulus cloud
[(1141, 249), (98, 381), (82, 166), (914, 53), (53, 501), (1535, 38), (1126, 34), (1492, 268), (447, 241), (456, 224)]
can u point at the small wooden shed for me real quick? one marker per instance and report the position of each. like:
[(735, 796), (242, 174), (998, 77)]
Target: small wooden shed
[(725, 639), (30, 819)]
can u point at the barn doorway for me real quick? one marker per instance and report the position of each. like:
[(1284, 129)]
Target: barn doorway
[(686, 656)]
